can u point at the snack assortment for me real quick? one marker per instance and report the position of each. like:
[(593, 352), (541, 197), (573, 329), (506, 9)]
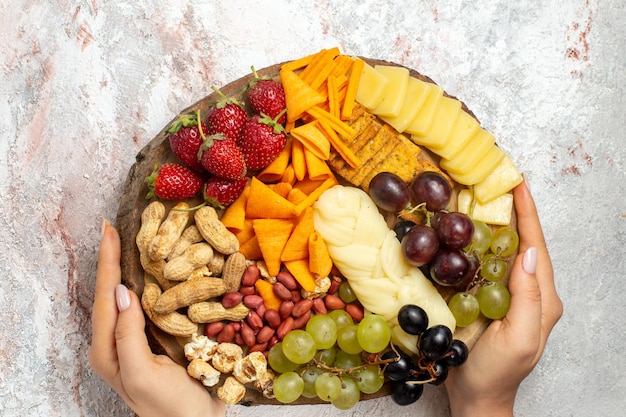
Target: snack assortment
[(333, 230)]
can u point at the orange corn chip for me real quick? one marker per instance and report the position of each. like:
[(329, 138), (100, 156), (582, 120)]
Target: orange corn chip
[(320, 262), (296, 196), (315, 194), (245, 233), (266, 291), (299, 95), (313, 139), (235, 215), (272, 234), (300, 271), (298, 63), (333, 99), (317, 169), (353, 85), (281, 188), (289, 176), (263, 202), (318, 65), (297, 246), (297, 160), (275, 170), (344, 63), (251, 249), (307, 186)]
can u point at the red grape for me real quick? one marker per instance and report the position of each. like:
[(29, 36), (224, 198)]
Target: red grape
[(419, 245), (389, 192), (455, 230), (433, 189), (450, 267)]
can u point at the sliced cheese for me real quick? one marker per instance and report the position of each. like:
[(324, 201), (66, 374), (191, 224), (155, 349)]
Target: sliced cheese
[(416, 92), (395, 90), (464, 129), (482, 169), (424, 118), (371, 88), (443, 122), (471, 154), (497, 211), (501, 180)]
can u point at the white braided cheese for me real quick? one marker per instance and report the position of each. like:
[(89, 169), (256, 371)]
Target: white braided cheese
[(368, 254)]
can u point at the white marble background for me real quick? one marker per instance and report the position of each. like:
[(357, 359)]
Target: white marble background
[(84, 85)]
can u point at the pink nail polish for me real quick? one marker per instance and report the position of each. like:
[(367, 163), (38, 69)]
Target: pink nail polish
[(529, 262), (122, 297)]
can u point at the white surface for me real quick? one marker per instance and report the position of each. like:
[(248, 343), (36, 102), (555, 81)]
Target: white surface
[(85, 85)]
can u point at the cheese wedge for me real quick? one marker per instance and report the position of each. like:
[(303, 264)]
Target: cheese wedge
[(443, 122), (464, 129), (416, 92), (371, 88), (501, 180), (482, 169), (471, 154), (424, 118), (497, 212), (395, 90)]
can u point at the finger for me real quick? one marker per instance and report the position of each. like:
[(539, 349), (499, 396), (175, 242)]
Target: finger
[(104, 314), (531, 235), (133, 351)]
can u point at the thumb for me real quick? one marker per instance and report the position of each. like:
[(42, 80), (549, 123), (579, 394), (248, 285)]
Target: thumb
[(132, 344)]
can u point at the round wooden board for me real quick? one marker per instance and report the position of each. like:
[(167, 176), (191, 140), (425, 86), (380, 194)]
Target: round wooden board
[(133, 202)]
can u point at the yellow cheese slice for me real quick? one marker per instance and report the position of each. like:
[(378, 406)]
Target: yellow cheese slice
[(440, 129), (416, 92), (482, 169), (371, 89), (395, 90), (471, 154), (424, 118), (464, 129), (501, 180), (497, 211)]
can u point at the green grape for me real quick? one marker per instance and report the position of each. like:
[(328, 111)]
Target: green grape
[(349, 395), (278, 361), (288, 387), (493, 267), (347, 339), (345, 360), (346, 293), (309, 376), (299, 346), (323, 330), (504, 241), (328, 386), (464, 307), (326, 356), (341, 318), (481, 238), (494, 300), (369, 379), (373, 333)]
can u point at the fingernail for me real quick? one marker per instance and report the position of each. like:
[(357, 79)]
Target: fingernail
[(122, 297), (529, 262), (105, 222), (526, 183)]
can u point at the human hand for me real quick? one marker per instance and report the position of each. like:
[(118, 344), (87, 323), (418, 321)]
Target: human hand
[(510, 348), (152, 385)]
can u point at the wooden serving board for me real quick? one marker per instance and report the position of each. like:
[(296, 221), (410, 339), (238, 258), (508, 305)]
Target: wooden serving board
[(133, 202)]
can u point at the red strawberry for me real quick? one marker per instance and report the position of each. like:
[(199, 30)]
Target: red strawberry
[(226, 116), (173, 182), (185, 139), (221, 192), (222, 157), (261, 140), (266, 96)]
